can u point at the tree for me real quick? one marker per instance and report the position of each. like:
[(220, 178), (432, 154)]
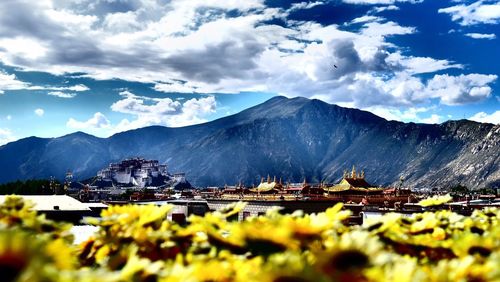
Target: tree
[(28, 187), (460, 190)]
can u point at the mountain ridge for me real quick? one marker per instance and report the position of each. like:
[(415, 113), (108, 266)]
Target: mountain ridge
[(292, 138)]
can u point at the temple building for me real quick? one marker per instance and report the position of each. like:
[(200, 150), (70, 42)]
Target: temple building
[(135, 172), (352, 189), (268, 186), (353, 183)]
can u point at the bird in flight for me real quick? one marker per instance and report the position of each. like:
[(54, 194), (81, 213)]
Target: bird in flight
[(334, 66)]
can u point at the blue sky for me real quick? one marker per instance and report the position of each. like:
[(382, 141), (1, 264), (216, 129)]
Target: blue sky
[(106, 66)]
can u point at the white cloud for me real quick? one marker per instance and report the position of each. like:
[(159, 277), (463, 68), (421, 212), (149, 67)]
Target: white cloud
[(229, 5), (407, 90), (161, 111), (386, 29), (489, 118), (98, 121), (462, 89), (122, 22), (197, 109), (39, 112), (410, 114), (76, 88), (135, 105), (177, 87), (24, 47), (475, 13), (184, 40), (62, 94), (71, 19), (419, 65), (304, 5), (379, 2), (404, 115), (6, 136), (366, 18), (10, 82), (384, 8), (199, 47), (489, 36), (8, 117), (432, 119)]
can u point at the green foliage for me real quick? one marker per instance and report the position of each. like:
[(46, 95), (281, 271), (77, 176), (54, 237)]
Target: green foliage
[(487, 191), (28, 187), (460, 190), (137, 243)]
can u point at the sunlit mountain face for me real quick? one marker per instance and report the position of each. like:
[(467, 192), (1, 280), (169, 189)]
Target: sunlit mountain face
[(104, 67)]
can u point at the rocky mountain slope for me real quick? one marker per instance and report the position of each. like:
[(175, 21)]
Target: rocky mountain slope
[(289, 138)]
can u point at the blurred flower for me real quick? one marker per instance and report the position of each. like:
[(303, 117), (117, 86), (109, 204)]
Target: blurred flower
[(435, 200), (139, 243)]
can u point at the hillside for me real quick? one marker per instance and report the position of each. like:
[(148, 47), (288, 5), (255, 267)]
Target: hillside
[(291, 138)]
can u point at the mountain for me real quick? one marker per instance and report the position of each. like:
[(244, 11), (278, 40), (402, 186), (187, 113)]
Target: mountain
[(289, 138)]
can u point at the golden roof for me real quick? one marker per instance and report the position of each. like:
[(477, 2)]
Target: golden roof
[(264, 187), (347, 187)]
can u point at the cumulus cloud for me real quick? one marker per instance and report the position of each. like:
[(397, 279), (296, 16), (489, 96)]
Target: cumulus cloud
[(379, 2), (161, 111), (392, 113), (489, 118), (10, 82), (62, 94), (132, 104), (419, 65), (489, 36), (374, 29), (476, 13), (410, 114), (434, 118), (78, 88), (226, 47), (39, 112), (407, 90), (462, 89), (6, 136), (229, 59), (82, 36), (98, 121), (177, 87)]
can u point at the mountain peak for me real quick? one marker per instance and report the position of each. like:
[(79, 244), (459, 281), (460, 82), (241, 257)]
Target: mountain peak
[(276, 98), (291, 138), (77, 134), (276, 107)]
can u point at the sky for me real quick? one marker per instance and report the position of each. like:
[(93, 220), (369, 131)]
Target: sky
[(106, 66)]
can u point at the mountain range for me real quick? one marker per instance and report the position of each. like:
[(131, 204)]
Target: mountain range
[(292, 139)]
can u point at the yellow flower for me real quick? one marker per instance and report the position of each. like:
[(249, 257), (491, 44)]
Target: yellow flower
[(435, 200), (26, 257), (138, 243), (64, 256)]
